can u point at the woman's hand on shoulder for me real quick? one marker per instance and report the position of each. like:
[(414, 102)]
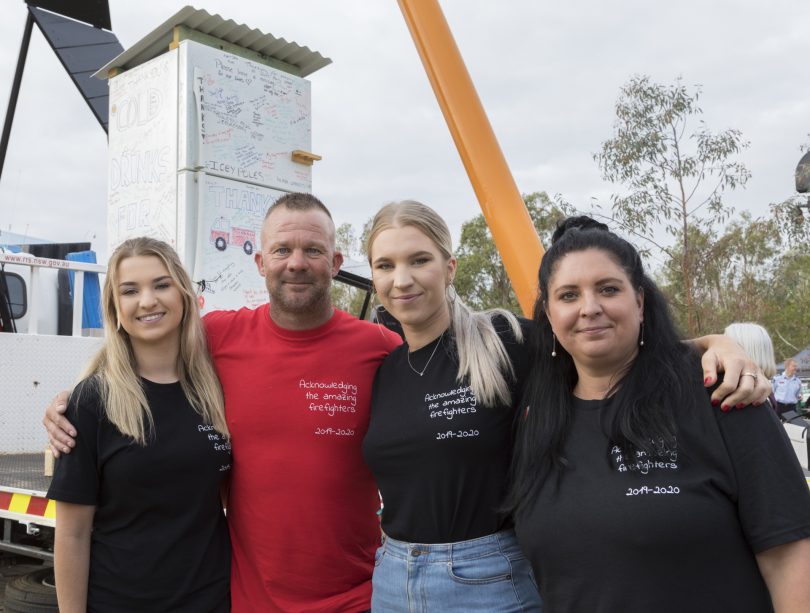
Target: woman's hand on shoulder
[(61, 433), (743, 381)]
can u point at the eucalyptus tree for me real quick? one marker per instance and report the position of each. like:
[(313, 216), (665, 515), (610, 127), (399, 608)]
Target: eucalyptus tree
[(674, 170), (481, 278)]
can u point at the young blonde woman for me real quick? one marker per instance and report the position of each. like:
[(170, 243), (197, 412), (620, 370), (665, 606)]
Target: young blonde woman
[(139, 520), (440, 436)]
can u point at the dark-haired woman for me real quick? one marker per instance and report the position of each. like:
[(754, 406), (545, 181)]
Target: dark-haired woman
[(629, 493)]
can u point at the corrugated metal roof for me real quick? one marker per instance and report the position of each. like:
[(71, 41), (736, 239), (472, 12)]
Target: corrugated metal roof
[(157, 42)]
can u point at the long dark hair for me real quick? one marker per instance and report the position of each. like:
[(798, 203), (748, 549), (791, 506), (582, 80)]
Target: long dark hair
[(644, 399)]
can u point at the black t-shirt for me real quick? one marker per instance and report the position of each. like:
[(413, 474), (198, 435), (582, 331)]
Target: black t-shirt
[(159, 541), (440, 459), (671, 533)]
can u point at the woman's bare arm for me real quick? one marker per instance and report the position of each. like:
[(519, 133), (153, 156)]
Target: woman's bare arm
[(786, 569), (74, 525)]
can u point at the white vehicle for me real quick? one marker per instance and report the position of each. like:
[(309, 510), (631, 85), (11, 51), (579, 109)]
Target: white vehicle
[(35, 363)]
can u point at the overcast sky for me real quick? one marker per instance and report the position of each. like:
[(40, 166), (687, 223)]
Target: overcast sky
[(548, 74)]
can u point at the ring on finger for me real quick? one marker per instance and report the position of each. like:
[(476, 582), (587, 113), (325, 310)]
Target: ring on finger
[(750, 374)]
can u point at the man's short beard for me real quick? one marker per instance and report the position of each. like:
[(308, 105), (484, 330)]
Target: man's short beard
[(306, 303)]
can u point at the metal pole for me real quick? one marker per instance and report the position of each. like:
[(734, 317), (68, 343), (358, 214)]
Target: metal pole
[(15, 90), (503, 208), (33, 307), (78, 301)]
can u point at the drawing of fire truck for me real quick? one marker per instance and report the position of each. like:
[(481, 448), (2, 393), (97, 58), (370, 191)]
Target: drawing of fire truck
[(222, 235)]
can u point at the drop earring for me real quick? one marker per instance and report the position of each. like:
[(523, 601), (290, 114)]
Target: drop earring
[(553, 346), (641, 340)]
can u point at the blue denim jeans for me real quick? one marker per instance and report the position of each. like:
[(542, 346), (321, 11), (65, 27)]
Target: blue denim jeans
[(485, 574)]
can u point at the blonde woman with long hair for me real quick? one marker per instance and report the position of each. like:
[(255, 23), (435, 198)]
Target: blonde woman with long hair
[(140, 525), (439, 438)]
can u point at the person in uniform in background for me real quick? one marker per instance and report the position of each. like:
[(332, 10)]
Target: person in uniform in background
[(787, 388), (139, 520)]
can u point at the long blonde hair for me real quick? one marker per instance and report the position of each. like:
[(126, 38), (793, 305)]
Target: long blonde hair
[(482, 358), (114, 368)]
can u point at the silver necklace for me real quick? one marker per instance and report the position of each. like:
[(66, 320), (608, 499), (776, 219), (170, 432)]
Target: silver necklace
[(422, 372)]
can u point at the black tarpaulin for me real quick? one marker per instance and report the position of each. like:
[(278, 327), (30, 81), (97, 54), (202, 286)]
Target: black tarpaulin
[(94, 12), (82, 49)]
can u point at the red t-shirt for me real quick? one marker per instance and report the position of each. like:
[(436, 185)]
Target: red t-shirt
[(302, 508)]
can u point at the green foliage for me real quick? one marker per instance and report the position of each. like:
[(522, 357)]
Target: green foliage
[(363, 241), (345, 297), (791, 219), (346, 239), (753, 270), (788, 318), (793, 222), (731, 273), (742, 273), (674, 170), (481, 278)]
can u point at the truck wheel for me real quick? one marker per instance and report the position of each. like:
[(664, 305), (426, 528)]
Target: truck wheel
[(32, 593), (220, 243), (248, 247)]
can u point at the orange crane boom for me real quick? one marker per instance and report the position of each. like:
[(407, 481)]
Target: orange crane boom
[(492, 181)]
